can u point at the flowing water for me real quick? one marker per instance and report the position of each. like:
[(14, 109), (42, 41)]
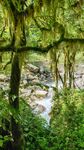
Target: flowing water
[(47, 103)]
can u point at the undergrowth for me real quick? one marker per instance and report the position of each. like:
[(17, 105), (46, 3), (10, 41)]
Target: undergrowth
[(66, 131), (68, 120)]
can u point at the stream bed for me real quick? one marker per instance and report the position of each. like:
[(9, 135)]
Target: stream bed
[(47, 103), (37, 95)]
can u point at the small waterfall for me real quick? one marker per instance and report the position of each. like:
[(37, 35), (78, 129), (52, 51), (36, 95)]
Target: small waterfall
[(47, 103)]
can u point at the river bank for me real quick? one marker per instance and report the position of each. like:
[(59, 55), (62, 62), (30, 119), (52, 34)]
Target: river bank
[(37, 84)]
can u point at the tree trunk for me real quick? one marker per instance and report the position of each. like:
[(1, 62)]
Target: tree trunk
[(19, 40), (14, 103)]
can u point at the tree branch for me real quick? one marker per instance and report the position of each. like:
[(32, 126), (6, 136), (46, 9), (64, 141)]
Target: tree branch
[(9, 47), (9, 62)]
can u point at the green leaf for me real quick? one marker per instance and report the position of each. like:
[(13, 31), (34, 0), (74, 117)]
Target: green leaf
[(1, 143)]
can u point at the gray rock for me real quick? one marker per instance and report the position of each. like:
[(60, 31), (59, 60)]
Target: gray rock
[(38, 109), (40, 93), (25, 92), (33, 68)]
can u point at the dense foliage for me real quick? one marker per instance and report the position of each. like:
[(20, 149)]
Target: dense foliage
[(67, 124), (68, 120)]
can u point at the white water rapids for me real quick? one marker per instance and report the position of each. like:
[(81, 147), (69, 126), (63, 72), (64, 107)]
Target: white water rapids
[(47, 103)]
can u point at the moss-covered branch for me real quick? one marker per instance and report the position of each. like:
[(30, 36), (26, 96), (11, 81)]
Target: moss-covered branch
[(9, 47)]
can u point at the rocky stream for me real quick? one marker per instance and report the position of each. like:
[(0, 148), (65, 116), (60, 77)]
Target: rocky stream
[(37, 85)]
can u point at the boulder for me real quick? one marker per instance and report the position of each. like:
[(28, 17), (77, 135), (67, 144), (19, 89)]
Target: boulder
[(4, 86), (38, 108), (40, 93), (24, 82), (33, 68), (25, 92)]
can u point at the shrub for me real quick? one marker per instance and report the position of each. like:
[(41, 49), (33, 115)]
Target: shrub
[(68, 120)]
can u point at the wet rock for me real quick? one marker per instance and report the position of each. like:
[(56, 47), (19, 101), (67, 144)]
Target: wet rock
[(33, 98), (38, 108), (40, 93), (33, 68), (36, 81), (42, 70), (7, 79), (31, 79), (25, 92), (24, 82)]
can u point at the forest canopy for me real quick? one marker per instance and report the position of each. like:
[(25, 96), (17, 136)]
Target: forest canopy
[(63, 20)]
